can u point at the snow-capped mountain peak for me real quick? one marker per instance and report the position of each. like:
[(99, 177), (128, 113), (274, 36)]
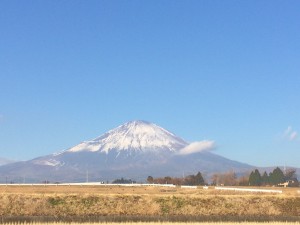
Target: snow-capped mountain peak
[(133, 136), (135, 149)]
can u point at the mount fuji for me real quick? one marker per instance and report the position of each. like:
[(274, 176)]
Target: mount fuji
[(133, 150)]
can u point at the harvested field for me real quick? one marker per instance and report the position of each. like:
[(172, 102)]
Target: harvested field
[(167, 223), (116, 203), (115, 189)]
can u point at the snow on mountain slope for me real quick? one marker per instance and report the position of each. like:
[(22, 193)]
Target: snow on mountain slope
[(134, 136), (49, 162)]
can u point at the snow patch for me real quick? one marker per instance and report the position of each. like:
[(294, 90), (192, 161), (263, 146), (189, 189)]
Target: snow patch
[(50, 162)]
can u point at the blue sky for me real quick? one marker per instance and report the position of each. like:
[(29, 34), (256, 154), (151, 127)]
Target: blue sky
[(227, 71)]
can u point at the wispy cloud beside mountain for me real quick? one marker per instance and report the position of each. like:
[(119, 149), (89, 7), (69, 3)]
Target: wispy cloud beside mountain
[(290, 134), (198, 146)]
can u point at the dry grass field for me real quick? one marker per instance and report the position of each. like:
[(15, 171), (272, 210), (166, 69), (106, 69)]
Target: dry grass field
[(167, 223), (118, 203), (112, 190)]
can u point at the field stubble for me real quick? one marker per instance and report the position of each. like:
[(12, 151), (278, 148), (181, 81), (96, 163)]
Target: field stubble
[(168, 223), (114, 203)]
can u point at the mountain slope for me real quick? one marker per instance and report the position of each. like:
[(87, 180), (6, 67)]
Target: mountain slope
[(134, 150), (4, 161)]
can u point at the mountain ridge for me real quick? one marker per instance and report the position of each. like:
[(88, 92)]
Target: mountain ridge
[(4, 161), (135, 149)]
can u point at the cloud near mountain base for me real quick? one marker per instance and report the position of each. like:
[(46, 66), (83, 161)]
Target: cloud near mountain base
[(290, 134), (198, 146)]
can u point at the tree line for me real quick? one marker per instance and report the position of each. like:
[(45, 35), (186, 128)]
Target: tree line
[(193, 180), (123, 181), (273, 178)]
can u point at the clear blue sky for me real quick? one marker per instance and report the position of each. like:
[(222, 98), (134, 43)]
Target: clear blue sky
[(227, 71)]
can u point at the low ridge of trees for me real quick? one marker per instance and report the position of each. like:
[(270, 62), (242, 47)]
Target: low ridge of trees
[(188, 180), (273, 178), (123, 181)]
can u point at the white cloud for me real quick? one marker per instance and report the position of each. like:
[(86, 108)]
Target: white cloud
[(293, 135), (198, 146), (290, 134), (288, 130)]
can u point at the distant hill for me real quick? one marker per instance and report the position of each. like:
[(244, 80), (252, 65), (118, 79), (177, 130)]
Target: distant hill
[(4, 161)]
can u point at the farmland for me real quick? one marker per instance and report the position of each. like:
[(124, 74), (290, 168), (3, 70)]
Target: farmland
[(94, 203), (168, 223)]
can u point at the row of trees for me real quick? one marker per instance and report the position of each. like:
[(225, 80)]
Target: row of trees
[(123, 181), (277, 176), (273, 178), (188, 180)]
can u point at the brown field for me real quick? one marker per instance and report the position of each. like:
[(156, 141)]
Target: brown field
[(146, 190), (174, 223), (118, 203)]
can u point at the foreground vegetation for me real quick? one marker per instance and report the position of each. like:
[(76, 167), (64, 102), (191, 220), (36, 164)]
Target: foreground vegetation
[(167, 223), (100, 203)]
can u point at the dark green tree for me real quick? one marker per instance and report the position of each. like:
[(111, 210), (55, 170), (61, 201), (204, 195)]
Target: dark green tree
[(199, 180), (123, 181), (276, 177), (255, 178), (265, 179), (194, 180), (150, 179)]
